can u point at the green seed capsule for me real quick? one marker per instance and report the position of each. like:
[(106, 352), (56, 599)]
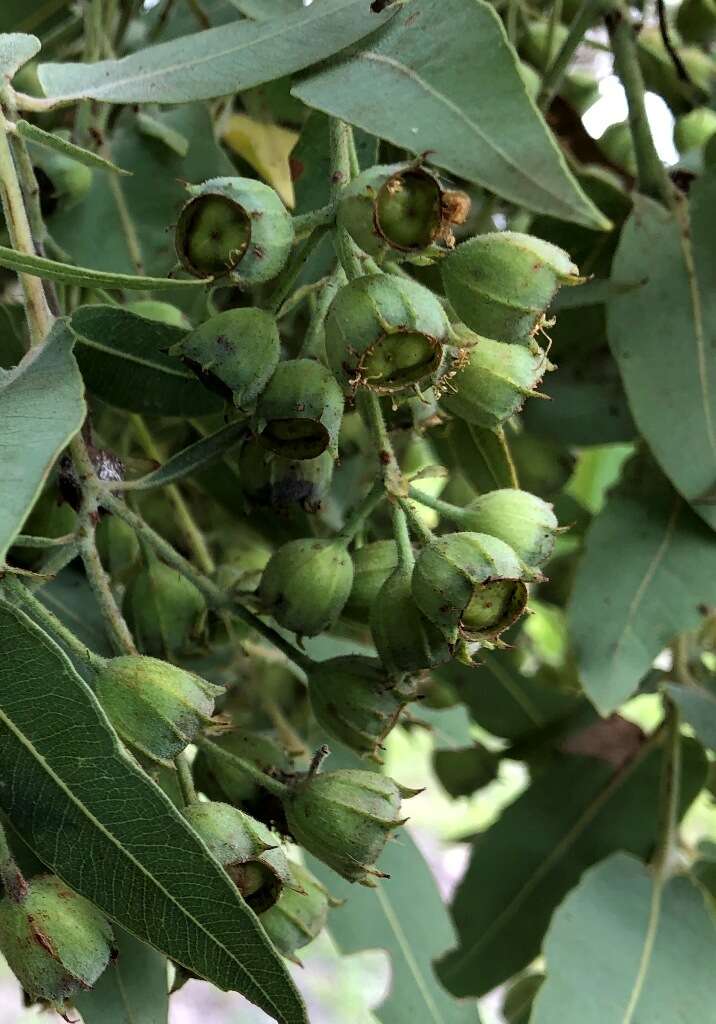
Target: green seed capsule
[(299, 414), (300, 914), (617, 145), (235, 227), (163, 609), (372, 565), (693, 130), (469, 585), (233, 353), (493, 381), (118, 547), (249, 853), (154, 706), (696, 21), (56, 942), (270, 481), (387, 334), (406, 641), (221, 777), (306, 584), (542, 42), (353, 699), (400, 209), (500, 284), (345, 818), (518, 518), (62, 181)]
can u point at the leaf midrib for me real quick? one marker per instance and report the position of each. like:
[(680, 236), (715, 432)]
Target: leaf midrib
[(133, 358)]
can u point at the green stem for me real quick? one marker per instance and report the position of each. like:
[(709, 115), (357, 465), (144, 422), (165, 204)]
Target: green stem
[(278, 789), (361, 512), (340, 161), (284, 283), (372, 414), (305, 223), (406, 557), (313, 346), (11, 877), (185, 779), (24, 540), (418, 526), (49, 621), (652, 178), (451, 512), (588, 11), (507, 452), (55, 563)]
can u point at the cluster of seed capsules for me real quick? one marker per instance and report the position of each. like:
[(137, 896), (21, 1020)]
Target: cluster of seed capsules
[(386, 334)]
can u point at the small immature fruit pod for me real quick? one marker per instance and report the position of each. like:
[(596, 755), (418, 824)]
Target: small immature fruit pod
[(62, 181), (250, 854), (162, 312), (353, 699), (233, 353), (236, 228), (693, 130), (118, 546), (306, 584), (372, 565), (696, 21), (221, 777), (470, 585), (520, 519), (299, 915), (345, 818), (400, 209), (387, 334), (500, 284), (154, 706), (55, 941), (493, 381), (163, 609), (299, 414), (270, 481), (406, 641)]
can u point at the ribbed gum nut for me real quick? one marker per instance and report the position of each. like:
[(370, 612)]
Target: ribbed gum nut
[(233, 353), (156, 707), (500, 284), (387, 334), (520, 519), (222, 778), (55, 941), (271, 481), (345, 818), (117, 545), (250, 854), (299, 414), (493, 380), (163, 609), (469, 585), (235, 227), (306, 585), (693, 130), (406, 641), (299, 915), (372, 565), (162, 312), (353, 699)]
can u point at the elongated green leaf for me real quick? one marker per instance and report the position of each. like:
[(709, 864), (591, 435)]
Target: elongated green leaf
[(525, 864), (698, 706), (601, 965), (662, 337), (218, 61), (648, 565), (134, 991), (70, 597), (16, 49), (47, 140), (93, 816), (444, 78), (405, 916), (197, 456), (41, 408), (123, 359), (51, 270)]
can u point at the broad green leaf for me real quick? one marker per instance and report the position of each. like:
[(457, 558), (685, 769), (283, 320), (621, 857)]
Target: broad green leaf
[(648, 564), (196, 456), (52, 270), (619, 954), (123, 359), (576, 812), (443, 78), (698, 707), (16, 49), (132, 991), (404, 915), (41, 408), (89, 812), (48, 140), (662, 334), (218, 61), (69, 596)]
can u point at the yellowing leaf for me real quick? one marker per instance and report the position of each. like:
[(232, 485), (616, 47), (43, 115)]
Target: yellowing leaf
[(266, 146)]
